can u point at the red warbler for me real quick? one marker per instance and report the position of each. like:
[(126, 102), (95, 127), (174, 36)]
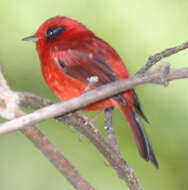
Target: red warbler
[(70, 54)]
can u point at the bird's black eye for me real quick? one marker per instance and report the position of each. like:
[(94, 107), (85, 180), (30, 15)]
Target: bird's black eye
[(53, 32)]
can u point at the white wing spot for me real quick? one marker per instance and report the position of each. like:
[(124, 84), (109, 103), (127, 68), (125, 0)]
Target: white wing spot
[(90, 55)]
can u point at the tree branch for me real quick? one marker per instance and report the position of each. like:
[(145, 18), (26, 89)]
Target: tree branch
[(9, 109), (79, 122), (64, 166), (162, 75), (152, 60)]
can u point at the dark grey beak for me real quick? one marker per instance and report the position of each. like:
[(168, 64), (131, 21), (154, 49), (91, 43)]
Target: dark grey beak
[(31, 39)]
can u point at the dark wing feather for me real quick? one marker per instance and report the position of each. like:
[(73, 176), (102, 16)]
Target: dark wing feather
[(82, 65)]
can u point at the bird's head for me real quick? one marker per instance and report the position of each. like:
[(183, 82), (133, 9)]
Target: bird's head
[(56, 28)]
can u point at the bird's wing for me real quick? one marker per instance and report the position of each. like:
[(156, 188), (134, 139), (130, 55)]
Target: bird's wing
[(82, 65)]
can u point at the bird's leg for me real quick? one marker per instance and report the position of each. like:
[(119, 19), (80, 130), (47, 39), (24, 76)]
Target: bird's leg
[(108, 118), (111, 138), (91, 81)]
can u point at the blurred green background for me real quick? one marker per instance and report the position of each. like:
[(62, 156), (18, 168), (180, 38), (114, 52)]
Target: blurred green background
[(136, 29)]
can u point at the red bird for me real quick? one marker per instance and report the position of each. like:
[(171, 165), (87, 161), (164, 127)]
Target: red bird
[(70, 54)]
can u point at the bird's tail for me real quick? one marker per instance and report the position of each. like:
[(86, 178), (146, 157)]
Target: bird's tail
[(141, 140)]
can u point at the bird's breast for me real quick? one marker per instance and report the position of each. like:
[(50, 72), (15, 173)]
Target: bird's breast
[(62, 85)]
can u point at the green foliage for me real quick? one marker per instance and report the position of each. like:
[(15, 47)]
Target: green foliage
[(136, 29)]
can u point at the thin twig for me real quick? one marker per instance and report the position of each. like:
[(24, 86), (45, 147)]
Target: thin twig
[(158, 56), (9, 109)]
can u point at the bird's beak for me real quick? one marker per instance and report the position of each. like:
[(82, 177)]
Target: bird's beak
[(31, 39)]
